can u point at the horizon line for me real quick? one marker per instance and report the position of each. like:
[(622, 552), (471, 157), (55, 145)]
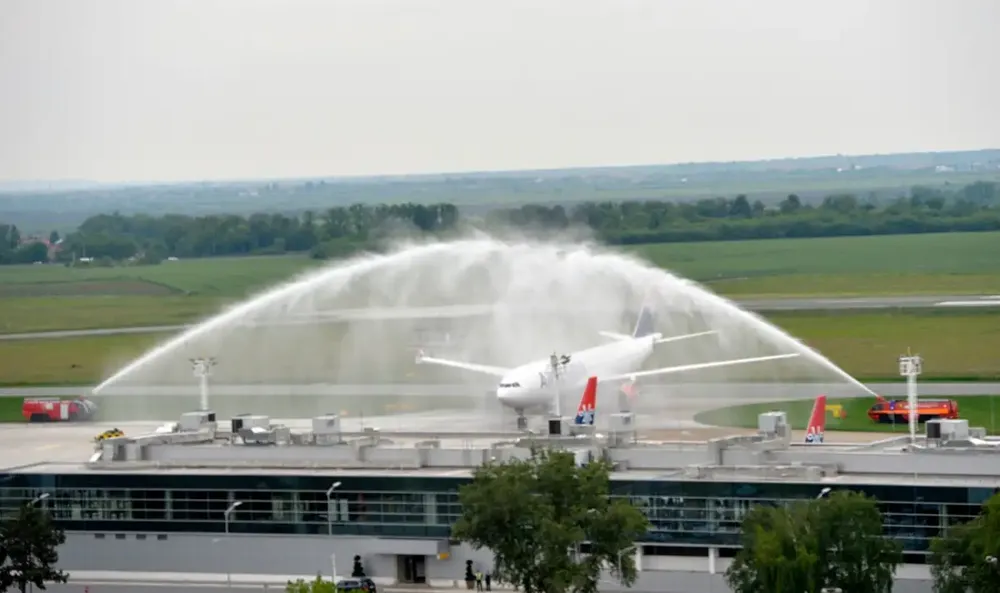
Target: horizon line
[(467, 172)]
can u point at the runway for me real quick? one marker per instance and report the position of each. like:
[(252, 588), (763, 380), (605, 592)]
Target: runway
[(759, 305)]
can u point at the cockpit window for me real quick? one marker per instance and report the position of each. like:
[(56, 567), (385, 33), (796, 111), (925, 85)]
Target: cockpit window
[(503, 385)]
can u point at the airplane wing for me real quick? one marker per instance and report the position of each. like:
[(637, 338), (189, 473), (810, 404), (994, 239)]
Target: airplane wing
[(476, 368), (696, 367)]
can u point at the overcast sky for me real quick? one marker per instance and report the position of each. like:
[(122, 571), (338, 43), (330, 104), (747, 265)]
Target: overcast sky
[(207, 89)]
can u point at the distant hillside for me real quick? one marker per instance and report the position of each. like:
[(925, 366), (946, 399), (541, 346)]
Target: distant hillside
[(62, 205), (59, 185)]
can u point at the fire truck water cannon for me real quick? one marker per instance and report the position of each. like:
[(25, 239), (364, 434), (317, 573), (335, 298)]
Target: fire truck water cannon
[(54, 409)]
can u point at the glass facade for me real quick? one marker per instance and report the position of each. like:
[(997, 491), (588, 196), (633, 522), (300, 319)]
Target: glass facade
[(681, 513)]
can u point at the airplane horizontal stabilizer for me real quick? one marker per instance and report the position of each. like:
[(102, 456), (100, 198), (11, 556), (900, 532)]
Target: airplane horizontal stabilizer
[(616, 336), (468, 366), (685, 337)]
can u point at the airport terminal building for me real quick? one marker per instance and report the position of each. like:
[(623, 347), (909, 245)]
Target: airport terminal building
[(166, 502)]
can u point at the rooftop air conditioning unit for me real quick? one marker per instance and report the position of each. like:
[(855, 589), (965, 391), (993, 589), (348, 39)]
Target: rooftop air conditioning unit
[(326, 424), (954, 430)]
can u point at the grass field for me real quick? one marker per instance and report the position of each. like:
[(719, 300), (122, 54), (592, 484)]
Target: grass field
[(979, 410), (956, 345), (42, 298), (947, 263)]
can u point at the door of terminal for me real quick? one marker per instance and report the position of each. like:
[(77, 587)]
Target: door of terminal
[(412, 569)]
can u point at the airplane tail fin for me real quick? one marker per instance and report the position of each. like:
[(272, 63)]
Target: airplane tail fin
[(588, 403), (817, 421), (630, 390), (644, 325)]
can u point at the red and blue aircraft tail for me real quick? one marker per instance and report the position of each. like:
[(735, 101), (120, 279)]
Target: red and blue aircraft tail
[(817, 422), (588, 404)]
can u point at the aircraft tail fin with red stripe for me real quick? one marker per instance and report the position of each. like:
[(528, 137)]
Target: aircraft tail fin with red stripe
[(588, 404), (817, 421)]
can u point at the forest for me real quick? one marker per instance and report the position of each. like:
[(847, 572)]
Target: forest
[(343, 230)]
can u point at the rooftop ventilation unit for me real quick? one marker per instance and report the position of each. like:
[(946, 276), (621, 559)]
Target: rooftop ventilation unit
[(954, 430), (772, 424), (243, 421), (196, 421), (326, 428)]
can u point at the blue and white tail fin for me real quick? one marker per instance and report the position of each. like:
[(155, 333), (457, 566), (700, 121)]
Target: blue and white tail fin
[(588, 404), (644, 325)]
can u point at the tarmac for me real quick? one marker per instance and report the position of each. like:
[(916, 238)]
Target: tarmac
[(748, 392), (72, 444)]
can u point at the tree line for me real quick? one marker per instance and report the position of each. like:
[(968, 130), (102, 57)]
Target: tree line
[(344, 230)]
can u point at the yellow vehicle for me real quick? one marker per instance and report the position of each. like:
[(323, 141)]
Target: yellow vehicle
[(112, 433)]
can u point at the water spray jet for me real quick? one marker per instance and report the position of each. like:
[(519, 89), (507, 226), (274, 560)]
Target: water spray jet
[(353, 321)]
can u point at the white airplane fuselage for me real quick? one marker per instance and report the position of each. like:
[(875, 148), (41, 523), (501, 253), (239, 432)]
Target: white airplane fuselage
[(534, 385)]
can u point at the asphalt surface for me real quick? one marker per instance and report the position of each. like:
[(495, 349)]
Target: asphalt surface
[(760, 305), (745, 392)]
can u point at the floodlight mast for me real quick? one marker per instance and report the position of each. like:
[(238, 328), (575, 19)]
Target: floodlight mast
[(202, 368), (910, 366)]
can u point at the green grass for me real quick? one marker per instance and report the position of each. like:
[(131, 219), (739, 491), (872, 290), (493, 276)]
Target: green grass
[(42, 298), (10, 409), (944, 263), (979, 410), (955, 344), (222, 276)]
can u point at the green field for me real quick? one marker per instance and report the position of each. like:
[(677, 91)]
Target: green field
[(41, 298), (946, 263), (955, 344), (979, 410)]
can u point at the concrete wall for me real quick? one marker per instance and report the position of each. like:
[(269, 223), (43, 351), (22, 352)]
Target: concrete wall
[(307, 555)]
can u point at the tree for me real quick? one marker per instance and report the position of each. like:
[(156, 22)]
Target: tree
[(964, 560), (316, 586), (535, 515), (835, 541), (28, 553)]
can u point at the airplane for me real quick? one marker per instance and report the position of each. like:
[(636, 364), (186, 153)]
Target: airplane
[(817, 422), (539, 384)]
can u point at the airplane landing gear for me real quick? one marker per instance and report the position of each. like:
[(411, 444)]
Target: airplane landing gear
[(522, 422)]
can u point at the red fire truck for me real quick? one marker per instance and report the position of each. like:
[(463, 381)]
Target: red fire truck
[(54, 409), (897, 410)]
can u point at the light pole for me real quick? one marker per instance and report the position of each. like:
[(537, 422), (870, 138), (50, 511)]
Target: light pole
[(329, 529), (229, 572), (329, 514), (202, 368), (910, 366)]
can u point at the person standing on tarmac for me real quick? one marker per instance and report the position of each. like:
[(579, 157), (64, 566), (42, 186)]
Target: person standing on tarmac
[(488, 579), (479, 580)]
